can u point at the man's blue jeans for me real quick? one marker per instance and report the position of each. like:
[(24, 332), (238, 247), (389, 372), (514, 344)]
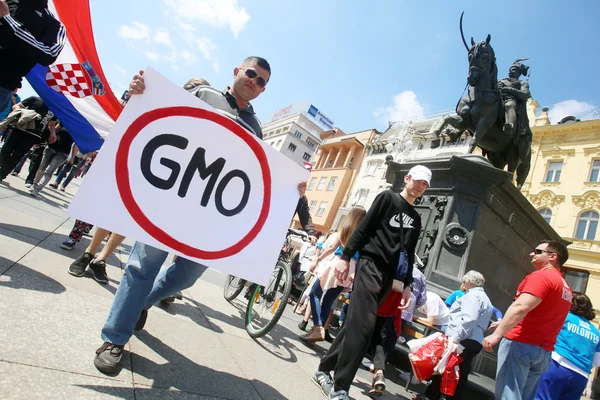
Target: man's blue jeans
[(519, 369), (142, 286)]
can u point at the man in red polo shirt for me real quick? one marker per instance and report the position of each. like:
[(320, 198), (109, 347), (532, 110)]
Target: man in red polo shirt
[(531, 324)]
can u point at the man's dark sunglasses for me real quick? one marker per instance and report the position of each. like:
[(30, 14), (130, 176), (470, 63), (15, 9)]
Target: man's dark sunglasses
[(250, 73), (540, 251)]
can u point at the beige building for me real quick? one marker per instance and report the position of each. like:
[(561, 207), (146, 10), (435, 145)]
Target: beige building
[(335, 168), (564, 186)]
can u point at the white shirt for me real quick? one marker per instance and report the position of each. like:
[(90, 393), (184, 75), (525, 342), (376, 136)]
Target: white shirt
[(436, 308)]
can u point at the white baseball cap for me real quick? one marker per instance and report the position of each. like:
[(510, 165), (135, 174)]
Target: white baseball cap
[(420, 173)]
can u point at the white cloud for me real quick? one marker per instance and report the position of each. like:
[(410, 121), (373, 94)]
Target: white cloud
[(163, 37), (217, 13), (151, 55), (179, 56), (136, 32), (579, 109), (405, 106), (217, 67), (119, 69), (206, 46)]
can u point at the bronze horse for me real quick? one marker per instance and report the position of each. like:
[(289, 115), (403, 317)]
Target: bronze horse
[(481, 114)]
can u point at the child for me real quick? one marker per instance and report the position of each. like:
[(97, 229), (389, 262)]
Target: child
[(327, 287), (391, 227)]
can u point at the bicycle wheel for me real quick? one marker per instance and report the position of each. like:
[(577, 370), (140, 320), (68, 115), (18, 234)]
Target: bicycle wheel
[(268, 303), (233, 287)]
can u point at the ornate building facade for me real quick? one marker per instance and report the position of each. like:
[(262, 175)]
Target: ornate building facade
[(564, 186)]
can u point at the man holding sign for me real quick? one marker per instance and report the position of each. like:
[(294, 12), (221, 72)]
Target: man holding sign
[(140, 286)]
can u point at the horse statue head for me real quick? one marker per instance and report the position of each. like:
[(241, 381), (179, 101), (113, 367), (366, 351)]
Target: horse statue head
[(482, 59)]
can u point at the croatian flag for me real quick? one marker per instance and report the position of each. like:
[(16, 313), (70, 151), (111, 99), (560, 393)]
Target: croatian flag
[(308, 166), (74, 87)]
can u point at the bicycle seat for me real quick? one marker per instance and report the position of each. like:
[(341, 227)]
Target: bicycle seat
[(297, 233)]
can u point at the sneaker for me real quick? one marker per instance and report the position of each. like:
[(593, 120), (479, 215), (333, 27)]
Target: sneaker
[(139, 325), (328, 337), (378, 385), (14, 173), (99, 271), (108, 357), (62, 189), (68, 245), (323, 381), (316, 334), (368, 365), (28, 184), (77, 268), (338, 395), (34, 192), (53, 185), (302, 325)]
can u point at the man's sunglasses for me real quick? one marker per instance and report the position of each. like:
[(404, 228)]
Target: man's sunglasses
[(250, 73), (540, 251)]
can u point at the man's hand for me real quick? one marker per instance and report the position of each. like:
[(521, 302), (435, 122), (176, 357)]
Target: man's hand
[(137, 85), (3, 8), (314, 264), (52, 137), (490, 341), (302, 189), (494, 325), (313, 240), (405, 302), (341, 269)]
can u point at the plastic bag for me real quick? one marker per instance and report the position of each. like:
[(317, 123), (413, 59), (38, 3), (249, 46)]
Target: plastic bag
[(451, 348), (415, 344), (426, 357), (451, 375)]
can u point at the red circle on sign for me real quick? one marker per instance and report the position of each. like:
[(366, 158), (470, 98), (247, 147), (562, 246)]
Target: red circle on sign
[(124, 186)]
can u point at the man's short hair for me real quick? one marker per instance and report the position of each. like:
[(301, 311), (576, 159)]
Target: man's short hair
[(562, 254), (261, 62), (195, 82), (474, 277)]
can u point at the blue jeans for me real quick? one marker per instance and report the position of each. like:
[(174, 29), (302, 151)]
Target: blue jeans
[(519, 369), (560, 383), (142, 286), (320, 308)]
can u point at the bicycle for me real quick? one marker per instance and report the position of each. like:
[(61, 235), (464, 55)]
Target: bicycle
[(266, 304)]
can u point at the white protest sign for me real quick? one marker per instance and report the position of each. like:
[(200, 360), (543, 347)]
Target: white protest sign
[(176, 174)]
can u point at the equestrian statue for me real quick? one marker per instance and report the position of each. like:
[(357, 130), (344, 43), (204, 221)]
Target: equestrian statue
[(494, 112)]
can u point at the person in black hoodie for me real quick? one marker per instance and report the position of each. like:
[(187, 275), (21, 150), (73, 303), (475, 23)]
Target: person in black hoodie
[(386, 240), (29, 35)]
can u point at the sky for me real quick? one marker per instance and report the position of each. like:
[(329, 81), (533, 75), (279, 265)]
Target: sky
[(361, 63)]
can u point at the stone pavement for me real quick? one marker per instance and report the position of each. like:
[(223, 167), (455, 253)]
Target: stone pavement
[(193, 349)]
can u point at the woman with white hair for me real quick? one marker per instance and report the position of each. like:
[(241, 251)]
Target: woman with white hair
[(469, 318)]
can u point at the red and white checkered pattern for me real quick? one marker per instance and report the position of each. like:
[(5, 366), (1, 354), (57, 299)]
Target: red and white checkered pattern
[(69, 78)]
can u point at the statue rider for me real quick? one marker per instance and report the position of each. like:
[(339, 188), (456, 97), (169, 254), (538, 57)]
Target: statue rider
[(514, 95)]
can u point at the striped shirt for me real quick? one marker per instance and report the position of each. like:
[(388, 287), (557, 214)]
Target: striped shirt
[(225, 103)]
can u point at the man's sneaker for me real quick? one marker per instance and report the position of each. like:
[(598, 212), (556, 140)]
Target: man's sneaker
[(139, 325), (77, 268), (99, 271), (323, 381), (378, 385), (316, 334), (53, 185), (33, 191), (338, 395), (68, 245), (62, 189), (14, 173), (170, 299), (28, 184), (108, 357)]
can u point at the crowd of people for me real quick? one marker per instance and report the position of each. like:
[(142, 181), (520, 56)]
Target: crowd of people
[(547, 345)]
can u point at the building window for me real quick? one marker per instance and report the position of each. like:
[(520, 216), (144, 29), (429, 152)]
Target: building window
[(595, 172), (306, 157), (553, 172), (321, 209), (312, 207), (312, 183), (279, 142), (362, 197), (331, 183), (286, 128), (546, 213), (298, 134), (322, 182), (587, 223), (292, 147), (577, 279), (310, 144), (350, 163), (372, 167), (278, 131), (330, 163)]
